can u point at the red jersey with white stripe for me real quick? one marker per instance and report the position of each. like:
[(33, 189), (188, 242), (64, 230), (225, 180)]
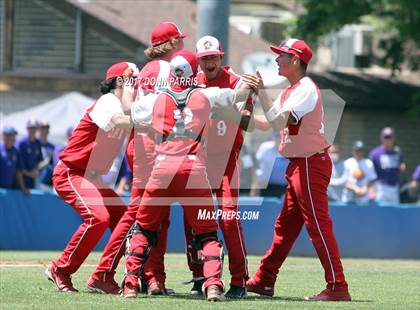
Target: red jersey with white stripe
[(306, 137), (160, 110), (95, 142), (224, 134)]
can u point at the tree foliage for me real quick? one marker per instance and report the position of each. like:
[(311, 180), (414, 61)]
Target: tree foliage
[(400, 25)]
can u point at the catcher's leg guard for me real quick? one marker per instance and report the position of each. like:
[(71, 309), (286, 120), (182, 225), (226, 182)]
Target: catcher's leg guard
[(210, 254), (140, 242)]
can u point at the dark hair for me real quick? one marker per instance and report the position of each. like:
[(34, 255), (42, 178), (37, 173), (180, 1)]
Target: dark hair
[(107, 85), (303, 66)]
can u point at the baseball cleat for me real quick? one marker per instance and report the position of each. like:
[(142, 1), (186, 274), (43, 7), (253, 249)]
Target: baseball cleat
[(254, 287), (129, 291), (197, 289), (215, 293), (156, 288), (329, 295), (60, 279), (169, 291), (236, 292), (109, 286)]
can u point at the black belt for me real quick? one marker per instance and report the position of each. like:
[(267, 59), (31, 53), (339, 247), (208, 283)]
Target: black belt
[(187, 134)]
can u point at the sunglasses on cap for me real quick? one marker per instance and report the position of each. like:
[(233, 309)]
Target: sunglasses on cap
[(291, 48)]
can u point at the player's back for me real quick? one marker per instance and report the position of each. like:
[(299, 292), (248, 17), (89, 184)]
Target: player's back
[(195, 116), (140, 150), (154, 75)]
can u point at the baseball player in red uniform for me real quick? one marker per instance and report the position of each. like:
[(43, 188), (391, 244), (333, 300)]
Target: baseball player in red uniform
[(89, 154), (223, 146), (298, 114), (179, 117), (166, 39)]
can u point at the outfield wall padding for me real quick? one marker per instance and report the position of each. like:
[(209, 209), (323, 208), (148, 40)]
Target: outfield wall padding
[(43, 221)]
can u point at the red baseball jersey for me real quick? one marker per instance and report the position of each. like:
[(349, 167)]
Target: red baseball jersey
[(224, 134), (95, 142), (161, 112), (307, 136), (153, 76), (196, 116)]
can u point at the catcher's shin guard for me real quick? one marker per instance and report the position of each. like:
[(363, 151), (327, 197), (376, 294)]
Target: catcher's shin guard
[(133, 255), (210, 254)]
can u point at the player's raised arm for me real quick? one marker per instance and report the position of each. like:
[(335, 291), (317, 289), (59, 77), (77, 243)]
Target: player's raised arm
[(142, 110), (225, 97), (243, 118), (129, 92), (261, 123), (243, 93), (108, 112), (246, 120), (277, 117)]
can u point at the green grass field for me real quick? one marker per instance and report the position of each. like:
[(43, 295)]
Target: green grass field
[(374, 284)]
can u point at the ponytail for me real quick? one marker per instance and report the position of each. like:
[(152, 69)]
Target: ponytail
[(107, 85)]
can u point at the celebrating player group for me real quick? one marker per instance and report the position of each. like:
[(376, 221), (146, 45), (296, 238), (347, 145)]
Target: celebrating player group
[(184, 129)]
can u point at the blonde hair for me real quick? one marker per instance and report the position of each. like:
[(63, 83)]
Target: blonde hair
[(161, 49)]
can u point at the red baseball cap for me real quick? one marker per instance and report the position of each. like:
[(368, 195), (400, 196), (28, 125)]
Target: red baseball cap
[(119, 68), (116, 70), (164, 32), (297, 47), (208, 45)]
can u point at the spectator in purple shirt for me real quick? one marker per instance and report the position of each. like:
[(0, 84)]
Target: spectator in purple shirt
[(30, 152), (388, 165), (48, 150), (415, 185), (10, 162)]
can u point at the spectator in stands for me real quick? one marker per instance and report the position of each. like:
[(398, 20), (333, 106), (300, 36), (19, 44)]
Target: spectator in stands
[(10, 162), (270, 175), (247, 174), (388, 165), (415, 185), (338, 180), (31, 154), (48, 152), (360, 175), (58, 150)]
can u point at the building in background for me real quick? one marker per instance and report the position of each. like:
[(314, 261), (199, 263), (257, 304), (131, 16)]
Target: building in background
[(59, 46), (49, 48)]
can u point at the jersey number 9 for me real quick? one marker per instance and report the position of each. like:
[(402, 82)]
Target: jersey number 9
[(221, 128)]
